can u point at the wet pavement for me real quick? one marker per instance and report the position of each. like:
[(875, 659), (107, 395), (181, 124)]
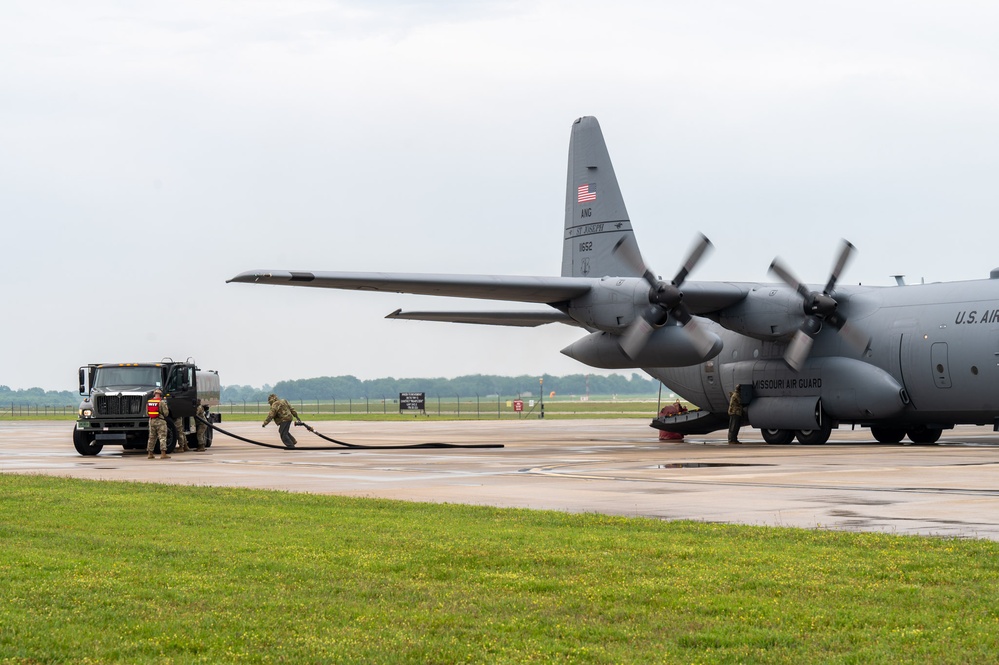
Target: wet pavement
[(616, 467)]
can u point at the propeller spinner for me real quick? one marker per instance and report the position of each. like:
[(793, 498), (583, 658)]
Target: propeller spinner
[(665, 299), (818, 308)]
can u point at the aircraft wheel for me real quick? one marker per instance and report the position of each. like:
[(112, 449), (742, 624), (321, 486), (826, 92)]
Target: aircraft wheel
[(85, 443), (888, 434), (813, 437), (923, 434), (778, 436)]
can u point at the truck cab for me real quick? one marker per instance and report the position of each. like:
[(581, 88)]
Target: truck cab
[(113, 411)]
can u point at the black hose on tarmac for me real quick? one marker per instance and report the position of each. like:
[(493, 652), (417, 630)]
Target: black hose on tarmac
[(343, 444)]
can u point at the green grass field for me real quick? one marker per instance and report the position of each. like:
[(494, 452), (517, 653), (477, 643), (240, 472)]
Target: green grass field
[(94, 572)]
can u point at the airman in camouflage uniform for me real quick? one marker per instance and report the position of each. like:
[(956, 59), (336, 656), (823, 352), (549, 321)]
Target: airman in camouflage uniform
[(283, 414), (158, 428), (735, 411), (200, 427), (178, 428)]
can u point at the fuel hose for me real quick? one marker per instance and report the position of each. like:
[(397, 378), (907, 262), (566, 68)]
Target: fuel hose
[(340, 445)]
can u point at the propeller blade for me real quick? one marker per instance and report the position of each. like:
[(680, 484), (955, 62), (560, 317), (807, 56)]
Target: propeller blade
[(682, 314), (798, 350), (636, 336), (819, 307), (853, 335), (703, 342), (844, 256), (778, 269), (702, 245), (633, 257), (665, 298)]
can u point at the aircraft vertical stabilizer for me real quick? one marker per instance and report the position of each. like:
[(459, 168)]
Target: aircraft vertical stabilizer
[(595, 216)]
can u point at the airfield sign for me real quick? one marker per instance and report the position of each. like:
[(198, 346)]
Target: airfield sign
[(412, 402)]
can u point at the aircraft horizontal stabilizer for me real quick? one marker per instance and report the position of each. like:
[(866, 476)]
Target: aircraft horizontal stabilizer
[(522, 319), (487, 287)]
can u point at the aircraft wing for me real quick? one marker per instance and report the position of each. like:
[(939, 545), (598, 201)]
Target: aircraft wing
[(488, 287), (524, 319), (709, 297)]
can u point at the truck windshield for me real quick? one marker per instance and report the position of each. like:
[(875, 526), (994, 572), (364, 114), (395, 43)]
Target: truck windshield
[(128, 377)]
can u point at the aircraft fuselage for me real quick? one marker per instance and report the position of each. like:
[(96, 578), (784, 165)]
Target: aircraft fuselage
[(933, 360)]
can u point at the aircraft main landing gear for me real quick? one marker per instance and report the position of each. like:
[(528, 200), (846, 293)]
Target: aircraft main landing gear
[(888, 434), (780, 437), (814, 437), (923, 434)]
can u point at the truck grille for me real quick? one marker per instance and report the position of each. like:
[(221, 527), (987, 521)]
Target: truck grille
[(119, 405)]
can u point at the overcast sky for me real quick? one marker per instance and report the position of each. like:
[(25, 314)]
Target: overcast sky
[(150, 151)]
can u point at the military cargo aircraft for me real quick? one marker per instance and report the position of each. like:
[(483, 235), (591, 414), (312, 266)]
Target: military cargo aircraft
[(904, 360)]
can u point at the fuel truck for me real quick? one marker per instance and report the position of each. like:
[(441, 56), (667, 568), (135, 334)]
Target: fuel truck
[(113, 411)]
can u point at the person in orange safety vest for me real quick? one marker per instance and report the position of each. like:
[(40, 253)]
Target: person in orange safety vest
[(158, 412)]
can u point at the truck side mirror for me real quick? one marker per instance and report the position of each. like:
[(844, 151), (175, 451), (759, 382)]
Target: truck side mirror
[(83, 382)]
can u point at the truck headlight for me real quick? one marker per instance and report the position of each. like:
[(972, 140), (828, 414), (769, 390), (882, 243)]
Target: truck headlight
[(86, 413)]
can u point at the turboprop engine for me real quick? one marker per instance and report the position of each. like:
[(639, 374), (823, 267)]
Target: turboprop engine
[(668, 346)]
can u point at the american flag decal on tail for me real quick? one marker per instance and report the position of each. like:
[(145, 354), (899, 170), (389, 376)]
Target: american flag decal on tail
[(586, 193)]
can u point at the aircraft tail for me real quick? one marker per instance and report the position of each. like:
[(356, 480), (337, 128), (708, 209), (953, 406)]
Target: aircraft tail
[(595, 216)]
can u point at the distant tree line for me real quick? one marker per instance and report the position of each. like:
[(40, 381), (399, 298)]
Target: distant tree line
[(350, 387), (38, 397)]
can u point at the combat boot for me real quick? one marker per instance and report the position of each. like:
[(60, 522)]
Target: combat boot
[(150, 456), (164, 456)]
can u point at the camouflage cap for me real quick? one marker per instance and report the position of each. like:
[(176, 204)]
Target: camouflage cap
[(157, 390), (272, 397)]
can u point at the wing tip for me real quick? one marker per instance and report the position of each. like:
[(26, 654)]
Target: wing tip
[(269, 277)]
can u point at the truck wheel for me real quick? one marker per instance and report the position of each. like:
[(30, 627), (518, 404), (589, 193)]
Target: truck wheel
[(86, 444), (778, 436), (171, 443)]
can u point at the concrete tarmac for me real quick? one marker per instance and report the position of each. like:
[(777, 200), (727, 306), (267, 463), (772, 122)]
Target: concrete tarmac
[(616, 467)]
